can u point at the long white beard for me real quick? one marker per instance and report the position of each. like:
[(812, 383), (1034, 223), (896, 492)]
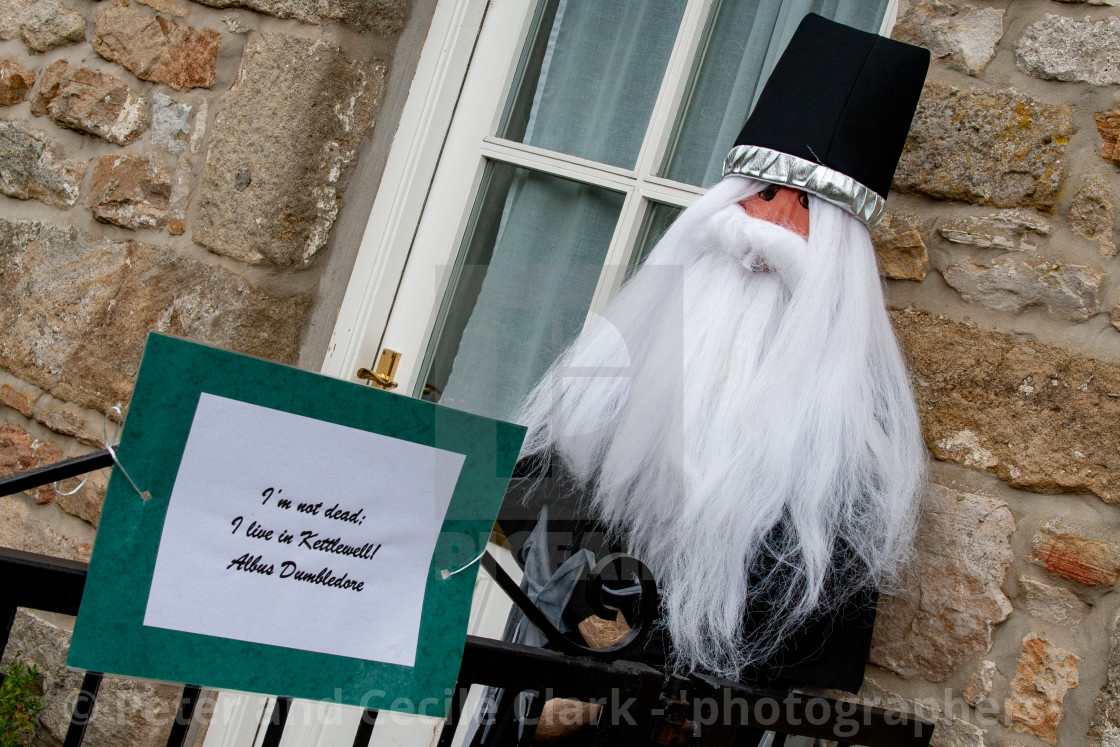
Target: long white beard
[(742, 419)]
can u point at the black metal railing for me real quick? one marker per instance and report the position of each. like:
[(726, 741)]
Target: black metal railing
[(632, 694)]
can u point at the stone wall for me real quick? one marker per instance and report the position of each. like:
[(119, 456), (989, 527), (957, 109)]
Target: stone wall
[(1000, 247), (176, 166), (189, 166), (196, 167)]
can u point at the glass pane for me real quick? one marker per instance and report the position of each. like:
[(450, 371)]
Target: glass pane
[(527, 270), (656, 222), (741, 45), (589, 77)]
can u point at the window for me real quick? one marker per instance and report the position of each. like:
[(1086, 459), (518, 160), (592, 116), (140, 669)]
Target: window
[(581, 129)]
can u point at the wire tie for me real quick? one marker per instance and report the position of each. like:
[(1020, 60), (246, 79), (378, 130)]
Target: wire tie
[(448, 574), (110, 446)]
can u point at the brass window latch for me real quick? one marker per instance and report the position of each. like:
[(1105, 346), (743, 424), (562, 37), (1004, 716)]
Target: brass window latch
[(382, 378)]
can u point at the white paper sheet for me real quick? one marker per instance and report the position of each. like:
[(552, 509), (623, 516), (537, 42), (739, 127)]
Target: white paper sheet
[(208, 576)]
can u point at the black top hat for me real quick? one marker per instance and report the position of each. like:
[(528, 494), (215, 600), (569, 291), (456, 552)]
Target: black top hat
[(833, 117)]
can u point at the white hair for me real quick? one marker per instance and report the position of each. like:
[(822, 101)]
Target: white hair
[(741, 418)]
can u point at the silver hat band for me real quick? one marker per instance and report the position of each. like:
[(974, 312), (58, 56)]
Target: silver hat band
[(782, 168)]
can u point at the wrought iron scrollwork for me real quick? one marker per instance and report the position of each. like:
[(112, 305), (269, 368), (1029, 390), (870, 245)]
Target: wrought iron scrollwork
[(616, 567), (620, 567)]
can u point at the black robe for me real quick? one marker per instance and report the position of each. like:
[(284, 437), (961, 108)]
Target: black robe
[(828, 651)]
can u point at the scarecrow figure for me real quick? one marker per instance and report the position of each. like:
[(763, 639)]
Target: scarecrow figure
[(740, 417)]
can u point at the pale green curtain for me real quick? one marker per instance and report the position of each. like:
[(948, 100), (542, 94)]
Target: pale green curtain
[(549, 251), (587, 89)]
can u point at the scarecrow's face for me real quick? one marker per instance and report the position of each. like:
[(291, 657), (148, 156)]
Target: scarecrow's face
[(784, 206)]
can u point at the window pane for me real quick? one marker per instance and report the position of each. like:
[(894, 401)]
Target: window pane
[(656, 222), (590, 75), (527, 271), (742, 44)]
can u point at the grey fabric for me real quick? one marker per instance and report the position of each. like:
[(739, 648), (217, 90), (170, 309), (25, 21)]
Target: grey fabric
[(550, 592)]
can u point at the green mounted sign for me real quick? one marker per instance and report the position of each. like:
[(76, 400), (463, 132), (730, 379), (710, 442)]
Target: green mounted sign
[(299, 535)]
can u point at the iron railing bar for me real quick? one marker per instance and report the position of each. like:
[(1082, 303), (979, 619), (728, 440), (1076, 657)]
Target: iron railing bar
[(7, 617), (365, 728), (794, 715), (637, 710), (276, 723), (39, 582), (531, 719), (517, 667), (533, 613), (640, 629), (40, 476), (718, 735), (451, 723), (183, 716), (42, 582), (83, 710)]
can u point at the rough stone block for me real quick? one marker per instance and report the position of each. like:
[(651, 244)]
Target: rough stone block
[(380, 16), (158, 49), (1092, 214), (87, 498), (49, 83), (21, 402), (1006, 230), (1040, 418), (1108, 125), (1060, 48), (979, 685), (280, 150), (965, 36), (35, 528), (130, 190), (1105, 728), (1045, 673), (42, 24), (999, 148), (171, 123), (11, 13), (1051, 603), (88, 101), (198, 132), (33, 168), (130, 711), (180, 196), (1116, 317), (86, 304), (1014, 284), (15, 82), (167, 6), (947, 610), (900, 249), (19, 452), (68, 419), (1069, 555)]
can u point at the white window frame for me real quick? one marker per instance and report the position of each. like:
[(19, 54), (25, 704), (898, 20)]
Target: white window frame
[(413, 157), (446, 124)]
